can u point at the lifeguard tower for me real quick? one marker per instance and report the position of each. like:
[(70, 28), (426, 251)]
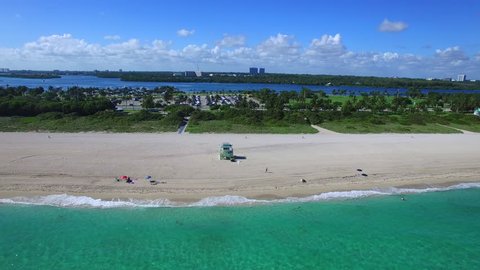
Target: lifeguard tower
[(226, 152)]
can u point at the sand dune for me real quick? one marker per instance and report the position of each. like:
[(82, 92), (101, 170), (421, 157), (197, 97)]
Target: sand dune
[(86, 164)]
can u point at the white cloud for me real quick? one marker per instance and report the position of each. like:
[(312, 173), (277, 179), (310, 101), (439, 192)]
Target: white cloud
[(326, 45), (385, 57), (327, 40), (389, 26), (60, 45), (194, 51), (279, 53), (112, 37), (185, 32), (128, 49), (232, 41), (451, 53), (278, 48), (453, 61)]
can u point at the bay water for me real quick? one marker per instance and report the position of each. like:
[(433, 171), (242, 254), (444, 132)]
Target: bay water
[(68, 81), (431, 230)]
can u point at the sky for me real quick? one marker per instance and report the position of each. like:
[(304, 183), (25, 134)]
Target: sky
[(389, 38)]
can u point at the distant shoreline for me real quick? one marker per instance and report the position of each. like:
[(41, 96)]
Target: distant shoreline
[(30, 76)]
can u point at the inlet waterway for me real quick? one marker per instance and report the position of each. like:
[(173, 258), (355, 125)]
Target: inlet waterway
[(68, 81)]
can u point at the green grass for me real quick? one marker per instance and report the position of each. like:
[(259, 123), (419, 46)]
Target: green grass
[(357, 123), (225, 126), (461, 121), (346, 126), (83, 124), (408, 123), (337, 98), (472, 128)]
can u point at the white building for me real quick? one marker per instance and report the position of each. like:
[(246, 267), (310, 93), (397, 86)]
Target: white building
[(462, 78)]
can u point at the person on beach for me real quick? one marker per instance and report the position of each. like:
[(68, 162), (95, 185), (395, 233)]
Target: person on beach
[(266, 169)]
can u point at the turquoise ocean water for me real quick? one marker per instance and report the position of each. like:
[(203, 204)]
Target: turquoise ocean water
[(432, 230)]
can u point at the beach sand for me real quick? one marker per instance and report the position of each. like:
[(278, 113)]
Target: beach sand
[(87, 163)]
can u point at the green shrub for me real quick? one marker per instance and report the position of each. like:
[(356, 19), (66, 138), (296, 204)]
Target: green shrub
[(144, 115), (182, 110), (173, 119), (107, 114), (377, 120), (416, 119), (202, 116), (50, 116), (315, 118)]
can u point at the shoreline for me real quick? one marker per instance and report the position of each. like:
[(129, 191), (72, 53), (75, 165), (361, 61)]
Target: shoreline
[(85, 164), (195, 195), (83, 201)]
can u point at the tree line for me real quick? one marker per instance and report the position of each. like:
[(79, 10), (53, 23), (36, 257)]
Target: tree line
[(253, 107), (23, 101), (300, 79)]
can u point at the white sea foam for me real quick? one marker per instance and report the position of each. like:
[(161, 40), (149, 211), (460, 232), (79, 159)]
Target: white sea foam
[(64, 200), (226, 200)]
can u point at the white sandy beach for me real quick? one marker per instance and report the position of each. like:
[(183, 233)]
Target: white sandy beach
[(87, 163)]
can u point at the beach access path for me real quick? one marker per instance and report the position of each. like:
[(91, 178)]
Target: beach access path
[(87, 163)]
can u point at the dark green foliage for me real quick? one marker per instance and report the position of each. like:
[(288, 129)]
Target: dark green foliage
[(148, 102), (296, 118), (301, 79), (22, 101), (174, 118), (464, 102), (201, 116), (414, 92), (377, 120), (144, 115), (31, 75), (83, 109), (180, 110), (348, 108), (141, 121), (168, 94), (51, 115), (314, 118)]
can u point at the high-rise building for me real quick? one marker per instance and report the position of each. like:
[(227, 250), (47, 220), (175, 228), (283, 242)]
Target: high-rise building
[(462, 78), (190, 74), (261, 71), (253, 71)]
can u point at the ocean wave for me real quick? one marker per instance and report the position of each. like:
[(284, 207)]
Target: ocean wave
[(65, 200)]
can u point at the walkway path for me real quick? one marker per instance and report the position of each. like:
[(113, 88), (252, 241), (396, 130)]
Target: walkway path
[(183, 125), (323, 130), (462, 130)]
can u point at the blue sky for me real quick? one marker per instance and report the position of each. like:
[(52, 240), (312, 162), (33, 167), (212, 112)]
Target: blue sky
[(380, 38)]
